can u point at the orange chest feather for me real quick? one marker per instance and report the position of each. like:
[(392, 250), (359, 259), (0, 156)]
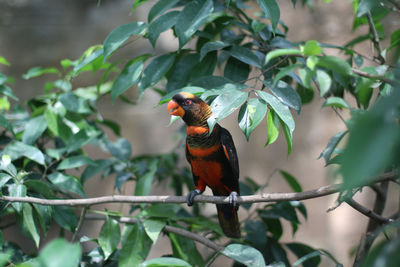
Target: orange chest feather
[(208, 171)]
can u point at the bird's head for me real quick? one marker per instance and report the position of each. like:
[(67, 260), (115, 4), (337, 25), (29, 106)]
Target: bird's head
[(190, 108)]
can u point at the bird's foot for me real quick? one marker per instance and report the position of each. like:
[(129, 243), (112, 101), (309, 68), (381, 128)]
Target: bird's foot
[(233, 199), (190, 197)]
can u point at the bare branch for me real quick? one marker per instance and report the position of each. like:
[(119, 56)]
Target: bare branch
[(80, 224), (374, 77), (367, 212), (375, 38)]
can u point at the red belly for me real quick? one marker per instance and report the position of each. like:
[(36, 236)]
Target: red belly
[(210, 172)]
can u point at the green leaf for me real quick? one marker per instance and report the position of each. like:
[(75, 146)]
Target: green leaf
[(4, 178), (153, 228), (6, 124), (191, 18), (285, 71), (56, 125), (185, 249), (291, 181), (281, 110), (29, 223), (244, 254), (189, 89), (273, 126), (236, 70), (109, 236), (40, 187), (336, 102), (307, 256), (211, 46), (120, 149), (60, 253), (17, 190), (5, 257), (5, 90), (127, 78), (179, 75), (18, 149), (287, 95), (74, 103), (4, 61), (155, 71), (161, 210), (281, 52), (204, 68), (364, 91), (120, 34), (65, 217), (271, 9), (385, 253), (250, 115), (160, 7), (144, 183), (324, 82), (34, 129), (165, 261), (94, 168), (288, 135), (74, 162), (38, 71), (366, 6), (160, 25), (394, 39), (332, 144), (91, 55), (80, 139), (311, 48), (224, 104), (245, 55), (66, 183), (135, 246), (335, 64)]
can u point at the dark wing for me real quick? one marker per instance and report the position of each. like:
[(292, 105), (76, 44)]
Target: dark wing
[(230, 152)]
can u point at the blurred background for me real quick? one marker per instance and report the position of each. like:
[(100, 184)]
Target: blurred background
[(43, 32)]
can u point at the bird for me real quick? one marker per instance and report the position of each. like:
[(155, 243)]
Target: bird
[(212, 157)]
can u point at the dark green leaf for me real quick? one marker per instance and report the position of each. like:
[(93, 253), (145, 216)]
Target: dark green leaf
[(29, 223), (120, 34), (60, 253), (287, 95), (153, 228), (271, 9), (6, 124), (56, 125), (145, 181), (294, 184), (65, 217), (17, 190), (66, 183), (109, 236), (244, 254), (394, 39), (330, 148), (307, 256), (18, 149), (135, 246), (160, 7), (33, 129), (127, 78), (185, 249), (256, 234), (204, 68), (161, 210), (250, 115), (273, 126), (160, 25), (366, 6), (74, 162), (364, 91), (4, 178), (40, 187), (179, 76), (165, 261), (191, 18), (44, 214), (96, 167), (211, 46), (121, 149), (74, 103), (5, 90), (190, 89), (155, 71), (236, 70), (245, 55), (336, 64), (80, 139), (336, 102), (385, 253), (285, 71), (38, 71)]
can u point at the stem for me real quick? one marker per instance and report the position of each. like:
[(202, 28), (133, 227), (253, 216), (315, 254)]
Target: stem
[(367, 212), (80, 224), (375, 38)]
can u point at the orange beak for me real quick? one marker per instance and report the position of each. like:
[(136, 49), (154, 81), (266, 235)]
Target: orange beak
[(174, 109)]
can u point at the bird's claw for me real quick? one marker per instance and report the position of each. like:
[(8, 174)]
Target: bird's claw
[(190, 197), (233, 199)]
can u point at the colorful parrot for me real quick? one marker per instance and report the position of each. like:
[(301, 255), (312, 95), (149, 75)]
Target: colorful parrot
[(212, 157)]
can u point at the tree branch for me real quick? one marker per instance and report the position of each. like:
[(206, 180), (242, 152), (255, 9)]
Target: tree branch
[(168, 228), (374, 77), (80, 224), (367, 212), (375, 38)]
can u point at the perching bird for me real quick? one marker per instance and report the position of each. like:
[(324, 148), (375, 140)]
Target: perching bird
[(212, 157)]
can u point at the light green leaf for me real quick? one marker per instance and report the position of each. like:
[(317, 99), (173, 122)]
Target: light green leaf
[(250, 115), (165, 261), (245, 55), (144, 183), (273, 127), (288, 135), (281, 52), (160, 25), (160, 7), (120, 34), (311, 48), (271, 9), (66, 183), (33, 129), (74, 103), (5, 90), (74, 162), (4, 61), (336, 102), (244, 254), (18, 149), (324, 82), (155, 71), (92, 54), (38, 71), (17, 190), (56, 125), (109, 236), (224, 104), (135, 246), (29, 223), (336, 64), (153, 228), (60, 253), (211, 46), (127, 78), (191, 18)]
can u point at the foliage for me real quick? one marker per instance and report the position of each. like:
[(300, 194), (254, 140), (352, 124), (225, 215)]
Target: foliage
[(234, 61)]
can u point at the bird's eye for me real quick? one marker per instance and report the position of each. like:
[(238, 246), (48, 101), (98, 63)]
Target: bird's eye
[(188, 102)]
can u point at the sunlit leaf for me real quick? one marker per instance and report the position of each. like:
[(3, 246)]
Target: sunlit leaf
[(74, 162), (66, 183), (244, 254), (287, 95), (38, 71), (336, 64), (60, 253), (281, 52), (324, 82), (18, 149), (17, 190), (273, 126), (336, 102), (109, 236), (250, 115), (165, 261), (33, 129), (153, 228), (29, 223)]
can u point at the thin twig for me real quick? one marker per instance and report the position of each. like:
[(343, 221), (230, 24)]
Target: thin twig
[(375, 38), (374, 77), (168, 228), (367, 212), (80, 224)]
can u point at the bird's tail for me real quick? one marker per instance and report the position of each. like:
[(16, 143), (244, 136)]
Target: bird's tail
[(228, 220)]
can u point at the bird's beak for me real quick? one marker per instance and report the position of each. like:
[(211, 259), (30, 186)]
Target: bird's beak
[(174, 109)]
